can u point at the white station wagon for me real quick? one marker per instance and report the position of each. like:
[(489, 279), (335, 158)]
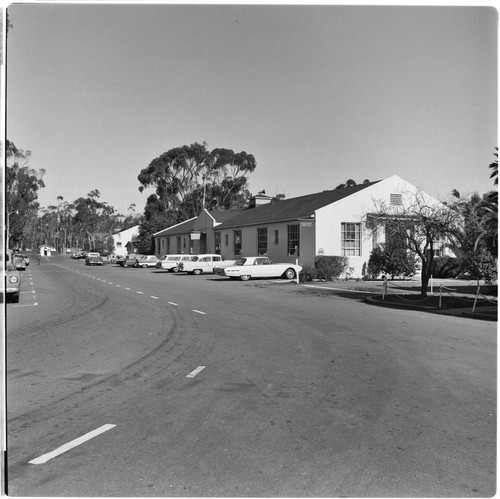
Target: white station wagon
[(171, 262), (260, 266), (201, 263)]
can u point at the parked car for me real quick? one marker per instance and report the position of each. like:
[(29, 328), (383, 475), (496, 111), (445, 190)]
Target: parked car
[(119, 259), (26, 259), (200, 263), (131, 260), (79, 255), (260, 266), (168, 262), (222, 265), (146, 261), (93, 258), (12, 278), (172, 262), (19, 262)]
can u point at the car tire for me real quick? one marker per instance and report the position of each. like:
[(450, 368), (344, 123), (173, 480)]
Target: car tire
[(144, 266), (244, 277), (175, 269), (196, 271), (289, 274)]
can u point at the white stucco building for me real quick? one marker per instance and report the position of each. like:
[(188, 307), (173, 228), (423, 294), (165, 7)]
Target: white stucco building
[(331, 223), (121, 239)]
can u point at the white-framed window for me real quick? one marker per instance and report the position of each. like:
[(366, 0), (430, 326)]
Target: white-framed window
[(351, 239), (217, 238), (262, 241), (293, 241), (237, 242)]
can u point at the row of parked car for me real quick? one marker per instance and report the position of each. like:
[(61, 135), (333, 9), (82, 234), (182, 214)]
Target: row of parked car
[(242, 268)]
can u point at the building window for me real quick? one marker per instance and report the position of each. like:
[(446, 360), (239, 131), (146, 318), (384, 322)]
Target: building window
[(168, 245), (237, 242), (293, 240), (262, 241), (396, 199), (217, 243), (179, 247), (351, 239), (226, 239), (276, 237)]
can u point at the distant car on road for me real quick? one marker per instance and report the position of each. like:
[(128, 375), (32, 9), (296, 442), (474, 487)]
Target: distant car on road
[(146, 261), (201, 263), (260, 266), (93, 259), (12, 278)]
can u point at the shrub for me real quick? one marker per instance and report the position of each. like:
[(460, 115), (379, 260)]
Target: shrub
[(445, 267), (330, 267)]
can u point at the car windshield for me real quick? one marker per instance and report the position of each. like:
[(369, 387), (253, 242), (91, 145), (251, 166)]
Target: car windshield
[(240, 261)]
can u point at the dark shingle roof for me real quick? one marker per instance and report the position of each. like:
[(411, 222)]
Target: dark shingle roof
[(290, 209)]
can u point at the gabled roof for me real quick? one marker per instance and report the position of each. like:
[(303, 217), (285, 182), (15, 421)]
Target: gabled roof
[(219, 216), (290, 209), (180, 228)]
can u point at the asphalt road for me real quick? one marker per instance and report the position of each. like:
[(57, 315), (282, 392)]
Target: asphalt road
[(199, 386)]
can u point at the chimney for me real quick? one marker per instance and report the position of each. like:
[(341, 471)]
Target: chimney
[(259, 199)]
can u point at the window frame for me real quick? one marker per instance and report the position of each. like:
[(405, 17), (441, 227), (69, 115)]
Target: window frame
[(261, 241), (293, 239), (350, 246)]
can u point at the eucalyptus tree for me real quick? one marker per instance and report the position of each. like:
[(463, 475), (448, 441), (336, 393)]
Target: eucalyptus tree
[(22, 184)]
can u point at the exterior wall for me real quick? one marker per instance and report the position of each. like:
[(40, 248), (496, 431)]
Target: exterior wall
[(354, 209), (277, 252), (121, 240)]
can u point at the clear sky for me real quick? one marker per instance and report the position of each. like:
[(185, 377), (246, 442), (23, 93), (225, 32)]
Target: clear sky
[(318, 94)]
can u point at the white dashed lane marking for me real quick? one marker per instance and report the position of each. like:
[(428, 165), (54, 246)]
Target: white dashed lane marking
[(138, 292), (198, 370), (70, 445)]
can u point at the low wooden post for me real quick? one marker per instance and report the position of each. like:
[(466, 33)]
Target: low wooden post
[(384, 288)]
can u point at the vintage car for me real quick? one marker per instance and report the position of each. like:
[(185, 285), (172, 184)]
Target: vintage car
[(146, 261), (131, 260), (26, 259), (168, 262), (93, 259), (12, 279), (260, 266), (200, 263), (172, 262)]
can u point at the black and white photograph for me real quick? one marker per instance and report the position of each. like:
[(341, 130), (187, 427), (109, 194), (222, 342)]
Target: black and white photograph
[(249, 250)]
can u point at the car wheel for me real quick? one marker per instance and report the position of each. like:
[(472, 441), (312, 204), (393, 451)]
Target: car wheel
[(175, 269), (144, 266), (196, 271), (289, 274), (244, 277)]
